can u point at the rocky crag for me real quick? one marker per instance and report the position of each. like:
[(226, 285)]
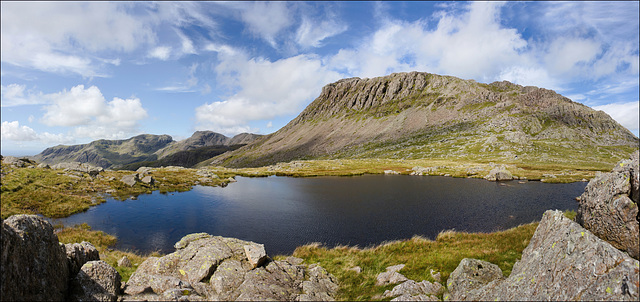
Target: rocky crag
[(36, 267), (141, 148), (421, 115), (590, 259)]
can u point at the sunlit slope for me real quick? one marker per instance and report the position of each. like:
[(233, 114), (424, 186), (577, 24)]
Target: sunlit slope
[(421, 115)]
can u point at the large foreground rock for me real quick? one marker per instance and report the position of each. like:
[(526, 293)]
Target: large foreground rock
[(96, 281), (609, 207), (206, 267), (564, 261), (33, 264), (78, 254)]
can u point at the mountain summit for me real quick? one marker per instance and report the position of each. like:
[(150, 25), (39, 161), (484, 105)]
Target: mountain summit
[(421, 115)]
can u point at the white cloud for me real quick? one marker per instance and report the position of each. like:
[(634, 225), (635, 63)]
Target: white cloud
[(311, 34), (266, 19), (264, 89), (90, 115), (627, 114), (56, 37), (160, 52), (471, 45), (12, 131)]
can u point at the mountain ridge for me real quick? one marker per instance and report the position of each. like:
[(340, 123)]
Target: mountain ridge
[(141, 148), (421, 115)]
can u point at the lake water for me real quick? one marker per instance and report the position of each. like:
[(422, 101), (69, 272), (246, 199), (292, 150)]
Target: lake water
[(283, 213)]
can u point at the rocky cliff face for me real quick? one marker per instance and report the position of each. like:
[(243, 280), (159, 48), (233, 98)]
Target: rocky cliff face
[(421, 115)]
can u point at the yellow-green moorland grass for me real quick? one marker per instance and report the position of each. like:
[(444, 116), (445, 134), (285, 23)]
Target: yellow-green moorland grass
[(420, 256), (103, 243)]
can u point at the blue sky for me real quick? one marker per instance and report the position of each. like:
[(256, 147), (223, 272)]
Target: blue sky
[(74, 72)]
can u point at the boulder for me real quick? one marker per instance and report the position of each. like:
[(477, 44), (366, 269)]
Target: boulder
[(256, 254), (206, 267), (124, 262), (471, 274), (498, 174), (34, 264), (415, 291), (391, 276), (148, 180), (13, 161), (78, 254), (608, 210), (130, 180), (96, 281), (144, 170), (79, 167), (564, 261), (43, 166)]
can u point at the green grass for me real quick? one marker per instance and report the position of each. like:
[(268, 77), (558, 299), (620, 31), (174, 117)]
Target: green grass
[(54, 194), (103, 243), (419, 255)]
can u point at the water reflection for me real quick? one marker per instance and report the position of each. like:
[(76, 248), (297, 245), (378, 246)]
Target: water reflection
[(284, 212)]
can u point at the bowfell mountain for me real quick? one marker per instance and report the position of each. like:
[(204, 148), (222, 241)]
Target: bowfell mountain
[(420, 115), (147, 149)]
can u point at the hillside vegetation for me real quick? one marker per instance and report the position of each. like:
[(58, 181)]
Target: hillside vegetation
[(421, 116)]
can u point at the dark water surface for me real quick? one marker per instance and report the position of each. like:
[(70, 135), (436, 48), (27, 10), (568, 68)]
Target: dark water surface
[(283, 213)]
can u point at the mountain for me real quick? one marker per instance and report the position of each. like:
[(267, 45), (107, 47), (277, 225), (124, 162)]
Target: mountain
[(146, 148), (108, 153), (421, 115)]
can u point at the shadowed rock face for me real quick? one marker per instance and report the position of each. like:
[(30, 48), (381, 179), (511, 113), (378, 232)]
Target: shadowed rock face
[(609, 206), (566, 262), (34, 264)]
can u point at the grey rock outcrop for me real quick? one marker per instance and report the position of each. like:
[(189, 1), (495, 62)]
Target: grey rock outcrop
[(498, 174), (564, 261), (130, 180), (608, 210), (216, 268), (256, 254), (13, 161), (124, 262), (391, 276), (470, 275), (415, 291), (148, 180), (33, 264), (96, 281), (78, 167), (78, 254)]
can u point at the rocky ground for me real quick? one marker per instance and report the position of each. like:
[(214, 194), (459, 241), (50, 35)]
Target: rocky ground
[(592, 258)]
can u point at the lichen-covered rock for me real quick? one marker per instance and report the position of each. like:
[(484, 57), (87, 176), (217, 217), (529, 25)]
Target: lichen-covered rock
[(33, 264), (391, 276), (256, 254), (564, 261), (415, 291), (96, 281), (471, 274), (78, 254), (206, 267), (608, 210)]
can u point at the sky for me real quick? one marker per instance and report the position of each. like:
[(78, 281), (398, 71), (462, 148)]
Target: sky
[(74, 72)]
